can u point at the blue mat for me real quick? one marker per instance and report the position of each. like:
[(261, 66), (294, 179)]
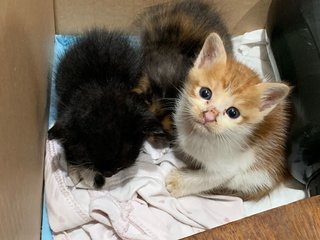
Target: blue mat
[(61, 43)]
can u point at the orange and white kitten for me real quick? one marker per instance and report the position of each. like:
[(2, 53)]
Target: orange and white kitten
[(231, 128)]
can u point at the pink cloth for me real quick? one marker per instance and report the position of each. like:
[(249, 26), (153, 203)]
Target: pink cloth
[(134, 204)]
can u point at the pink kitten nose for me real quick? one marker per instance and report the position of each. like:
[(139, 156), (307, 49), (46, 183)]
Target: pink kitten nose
[(210, 115)]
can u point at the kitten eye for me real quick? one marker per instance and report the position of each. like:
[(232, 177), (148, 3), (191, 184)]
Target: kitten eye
[(233, 112), (205, 93)]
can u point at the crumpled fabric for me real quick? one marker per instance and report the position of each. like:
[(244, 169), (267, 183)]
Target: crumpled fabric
[(133, 204)]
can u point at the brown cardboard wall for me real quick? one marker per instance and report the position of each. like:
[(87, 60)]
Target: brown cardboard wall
[(26, 40), (73, 16)]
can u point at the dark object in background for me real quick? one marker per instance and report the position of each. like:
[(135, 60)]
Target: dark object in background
[(294, 31), (101, 123)]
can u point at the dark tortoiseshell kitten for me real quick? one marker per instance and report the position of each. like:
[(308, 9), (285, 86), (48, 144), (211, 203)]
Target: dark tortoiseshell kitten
[(101, 123), (172, 35)]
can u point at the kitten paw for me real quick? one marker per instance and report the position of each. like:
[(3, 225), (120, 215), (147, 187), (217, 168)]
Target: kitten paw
[(174, 183)]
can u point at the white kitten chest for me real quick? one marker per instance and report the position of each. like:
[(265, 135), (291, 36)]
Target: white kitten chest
[(217, 156)]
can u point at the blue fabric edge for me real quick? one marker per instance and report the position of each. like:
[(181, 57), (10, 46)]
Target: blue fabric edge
[(61, 43)]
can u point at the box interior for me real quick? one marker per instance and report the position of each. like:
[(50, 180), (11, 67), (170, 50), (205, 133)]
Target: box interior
[(26, 41), (72, 16)]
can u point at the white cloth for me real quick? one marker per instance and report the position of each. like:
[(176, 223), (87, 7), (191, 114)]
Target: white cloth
[(252, 49), (134, 204)]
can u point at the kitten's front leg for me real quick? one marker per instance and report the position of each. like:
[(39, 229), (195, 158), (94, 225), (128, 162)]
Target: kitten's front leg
[(181, 182)]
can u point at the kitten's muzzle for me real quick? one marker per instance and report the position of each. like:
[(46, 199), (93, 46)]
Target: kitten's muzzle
[(210, 115)]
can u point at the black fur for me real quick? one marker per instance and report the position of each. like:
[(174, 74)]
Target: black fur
[(100, 122)]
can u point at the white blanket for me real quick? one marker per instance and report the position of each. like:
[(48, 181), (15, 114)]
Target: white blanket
[(134, 204)]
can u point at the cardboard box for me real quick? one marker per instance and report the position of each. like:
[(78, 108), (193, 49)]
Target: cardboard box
[(26, 43)]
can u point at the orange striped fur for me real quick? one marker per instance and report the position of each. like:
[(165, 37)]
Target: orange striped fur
[(242, 156)]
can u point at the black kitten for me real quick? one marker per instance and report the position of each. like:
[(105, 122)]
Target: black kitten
[(172, 35), (101, 123)]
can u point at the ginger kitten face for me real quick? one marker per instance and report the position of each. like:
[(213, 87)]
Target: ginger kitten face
[(223, 96)]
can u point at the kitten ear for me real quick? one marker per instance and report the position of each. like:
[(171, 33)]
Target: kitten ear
[(271, 95), (213, 51)]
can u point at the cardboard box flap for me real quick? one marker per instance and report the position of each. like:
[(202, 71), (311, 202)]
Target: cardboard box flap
[(73, 16), (26, 41)]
